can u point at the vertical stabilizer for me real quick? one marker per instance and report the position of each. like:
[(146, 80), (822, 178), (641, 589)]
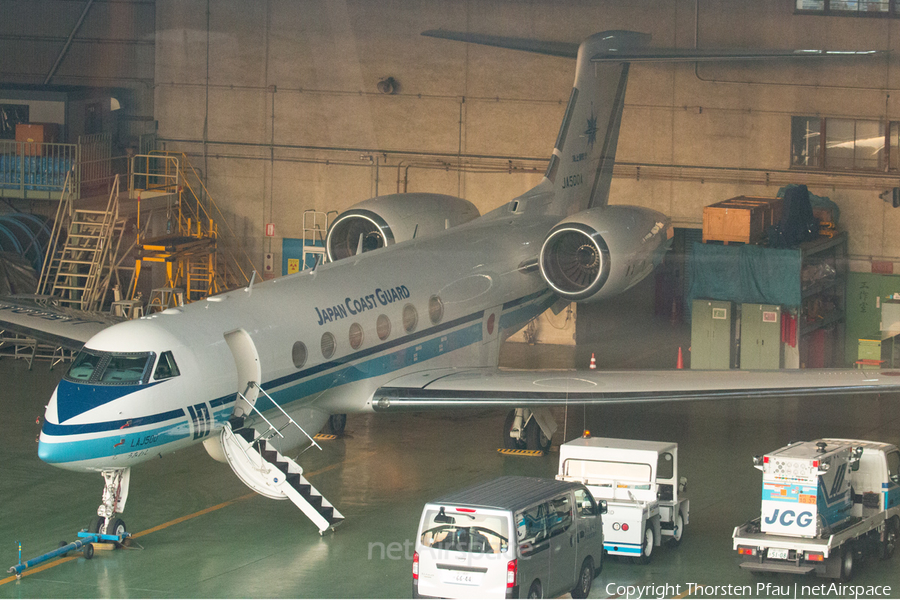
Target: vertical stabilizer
[(581, 167)]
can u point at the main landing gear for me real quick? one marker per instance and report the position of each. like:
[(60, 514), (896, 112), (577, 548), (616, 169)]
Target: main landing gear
[(528, 429)]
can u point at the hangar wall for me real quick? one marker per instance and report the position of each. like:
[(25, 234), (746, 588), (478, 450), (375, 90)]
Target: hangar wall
[(110, 54), (277, 102)]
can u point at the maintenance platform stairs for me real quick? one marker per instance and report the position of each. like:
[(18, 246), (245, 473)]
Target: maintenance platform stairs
[(264, 470)]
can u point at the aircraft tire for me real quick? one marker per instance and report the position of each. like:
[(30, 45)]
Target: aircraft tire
[(95, 524), (336, 424), (535, 438)]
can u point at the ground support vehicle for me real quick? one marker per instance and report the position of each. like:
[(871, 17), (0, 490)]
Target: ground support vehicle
[(513, 537), (825, 503), (640, 484)]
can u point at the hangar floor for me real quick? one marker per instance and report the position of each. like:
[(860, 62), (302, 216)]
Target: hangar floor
[(200, 533)]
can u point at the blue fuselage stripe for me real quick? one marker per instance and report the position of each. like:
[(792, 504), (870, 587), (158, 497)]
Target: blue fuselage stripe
[(409, 350)]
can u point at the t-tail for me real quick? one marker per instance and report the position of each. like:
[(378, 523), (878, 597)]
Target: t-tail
[(581, 166)]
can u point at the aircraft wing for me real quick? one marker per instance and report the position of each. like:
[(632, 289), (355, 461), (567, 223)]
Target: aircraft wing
[(56, 325), (445, 388)]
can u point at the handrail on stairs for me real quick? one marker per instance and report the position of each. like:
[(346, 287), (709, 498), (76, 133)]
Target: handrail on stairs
[(278, 406)]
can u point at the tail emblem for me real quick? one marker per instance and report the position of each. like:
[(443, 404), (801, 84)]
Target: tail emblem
[(591, 131)]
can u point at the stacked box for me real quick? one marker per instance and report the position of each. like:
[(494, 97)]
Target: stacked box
[(742, 219), (34, 135)]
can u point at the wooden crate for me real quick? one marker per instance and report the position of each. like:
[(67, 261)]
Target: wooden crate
[(741, 219)]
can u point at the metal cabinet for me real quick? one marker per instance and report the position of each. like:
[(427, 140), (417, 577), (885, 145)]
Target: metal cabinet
[(761, 346), (712, 334)]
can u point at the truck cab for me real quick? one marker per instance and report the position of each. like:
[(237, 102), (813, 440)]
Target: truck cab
[(640, 483)]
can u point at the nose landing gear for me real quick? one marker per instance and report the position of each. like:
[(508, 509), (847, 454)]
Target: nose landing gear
[(115, 493)]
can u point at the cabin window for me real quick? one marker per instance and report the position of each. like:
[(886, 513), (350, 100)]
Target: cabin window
[(166, 366), (410, 318), (584, 503), (893, 462), (480, 533), (665, 466), (328, 345), (299, 354), (532, 528), (435, 310), (383, 327), (356, 336)]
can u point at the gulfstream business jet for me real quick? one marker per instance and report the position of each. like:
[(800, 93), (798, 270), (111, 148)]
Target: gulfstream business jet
[(410, 312)]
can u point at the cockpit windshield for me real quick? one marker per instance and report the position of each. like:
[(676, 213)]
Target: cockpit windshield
[(111, 368)]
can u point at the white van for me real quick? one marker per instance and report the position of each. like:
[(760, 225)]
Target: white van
[(513, 537)]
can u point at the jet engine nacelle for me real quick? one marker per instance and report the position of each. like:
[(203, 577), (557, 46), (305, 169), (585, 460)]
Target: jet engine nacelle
[(386, 220), (601, 252)]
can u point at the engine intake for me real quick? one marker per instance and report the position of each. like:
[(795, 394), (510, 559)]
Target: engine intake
[(575, 261), (343, 236), (601, 252), (395, 218)]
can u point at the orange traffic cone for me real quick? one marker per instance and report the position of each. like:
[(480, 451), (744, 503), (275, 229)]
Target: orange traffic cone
[(593, 361), (680, 363)]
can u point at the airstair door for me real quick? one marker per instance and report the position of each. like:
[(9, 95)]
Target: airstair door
[(249, 372)]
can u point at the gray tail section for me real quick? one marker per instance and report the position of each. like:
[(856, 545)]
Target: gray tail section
[(581, 166)]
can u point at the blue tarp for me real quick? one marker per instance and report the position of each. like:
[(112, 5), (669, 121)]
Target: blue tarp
[(745, 273)]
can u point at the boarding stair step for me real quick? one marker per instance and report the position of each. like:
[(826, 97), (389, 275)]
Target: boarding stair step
[(292, 485)]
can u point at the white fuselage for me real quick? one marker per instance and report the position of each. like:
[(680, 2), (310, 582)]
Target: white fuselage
[(465, 286)]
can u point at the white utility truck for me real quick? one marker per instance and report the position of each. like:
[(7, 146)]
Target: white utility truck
[(824, 503), (639, 482)]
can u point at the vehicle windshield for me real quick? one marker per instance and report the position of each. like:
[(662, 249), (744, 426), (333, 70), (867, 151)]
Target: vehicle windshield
[(110, 368), (465, 532)]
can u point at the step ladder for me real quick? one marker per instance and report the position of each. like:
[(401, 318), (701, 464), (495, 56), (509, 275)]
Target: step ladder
[(264, 470), (81, 264)]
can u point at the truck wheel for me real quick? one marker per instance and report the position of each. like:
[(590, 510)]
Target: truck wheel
[(535, 591), (508, 442), (585, 579), (677, 531), (535, 438), (846, 563), (646, 546), (890, 539)]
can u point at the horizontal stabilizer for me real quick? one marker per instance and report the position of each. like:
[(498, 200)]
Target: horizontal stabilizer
[(564, 49), (719, 54), (643, 54)]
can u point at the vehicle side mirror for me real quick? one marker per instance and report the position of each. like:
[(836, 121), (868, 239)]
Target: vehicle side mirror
[(601, 507)]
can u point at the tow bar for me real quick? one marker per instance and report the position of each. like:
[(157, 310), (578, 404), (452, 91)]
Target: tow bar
[(85, 543)]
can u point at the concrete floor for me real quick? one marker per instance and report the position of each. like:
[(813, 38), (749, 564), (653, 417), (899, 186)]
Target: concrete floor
[(200, 533)]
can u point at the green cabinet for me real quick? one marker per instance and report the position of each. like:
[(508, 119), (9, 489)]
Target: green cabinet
[(761, 346), (712, 334)]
